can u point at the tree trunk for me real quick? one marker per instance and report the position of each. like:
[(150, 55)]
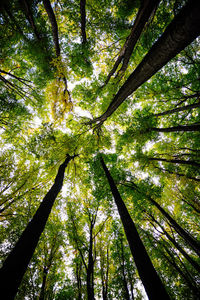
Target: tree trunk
[(178, 174), (187, 237), (29, 17), (54, 26), (179, 33), (177, 245), (184, 128), (17, 262), (150, 279), (83, 20), (145, 11), (125, 284), (90, 268), (176, 161), (172, 111), (44, 279)]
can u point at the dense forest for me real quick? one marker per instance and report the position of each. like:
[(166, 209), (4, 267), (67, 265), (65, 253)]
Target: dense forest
[(100, 149)]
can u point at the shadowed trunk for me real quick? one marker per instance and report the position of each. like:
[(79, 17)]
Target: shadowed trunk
[(177, 245), (184, 234), (176, 161), (178, 174), (150, 279), (29, 16), (54, 26), (184, 128), (17, 262), (83, 20), (180, 33), (145, 11), (172, 111)]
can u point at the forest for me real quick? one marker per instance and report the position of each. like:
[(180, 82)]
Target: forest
[(99, 149)]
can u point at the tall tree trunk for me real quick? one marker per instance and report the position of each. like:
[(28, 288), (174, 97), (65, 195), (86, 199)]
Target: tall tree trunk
[(184, 128), (17, 262), (145, 11), (179, 33), (54, 26), (187, 237), (125, 284), (44, 279), (172, 111), (29, 17), (90, 267), (176, 161), (83, 20), (178, 174), (150, 279), (177, 245), (184, 234)]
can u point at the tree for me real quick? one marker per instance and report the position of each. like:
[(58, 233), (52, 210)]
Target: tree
[(17, 261), (152, 283), (66, 67)]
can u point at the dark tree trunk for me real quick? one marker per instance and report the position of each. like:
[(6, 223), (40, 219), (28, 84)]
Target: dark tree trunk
[(17, 262), (184, 128), (187, 280), (176, 161), (125, 284), (172, 111), (145, 11), (54, 26), (187, 237), (83, 20), (90, 267), (177, 245), (178, 174), (180, 33), (44, 279), (150, 279), (78, 279), (29, 17)]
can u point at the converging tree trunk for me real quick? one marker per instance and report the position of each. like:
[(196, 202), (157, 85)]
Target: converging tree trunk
[(150, 279), (184, 128), (54, 26), (184, 234), (182, 108), (177, 245), (176, 161), (83, 20), (179, 33), (17, 262), (145, 11)]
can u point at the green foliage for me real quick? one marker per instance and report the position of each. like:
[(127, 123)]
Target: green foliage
[(143, 163)]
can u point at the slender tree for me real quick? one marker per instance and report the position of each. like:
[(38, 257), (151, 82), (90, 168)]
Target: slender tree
[(180, 33), (17, 261), (150, 279), (146, 9)]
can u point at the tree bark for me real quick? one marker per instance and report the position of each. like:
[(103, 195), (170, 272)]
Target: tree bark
[(187, 237), (176, 161), (29, 17), (179, 33), (17, 262), (83, 20), (172, 111), (184, 128), (54, 26), (150, 279), (177, 245), (145, 11), (178, 174)]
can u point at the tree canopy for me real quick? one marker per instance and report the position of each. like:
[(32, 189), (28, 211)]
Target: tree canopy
[(100, 149)]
